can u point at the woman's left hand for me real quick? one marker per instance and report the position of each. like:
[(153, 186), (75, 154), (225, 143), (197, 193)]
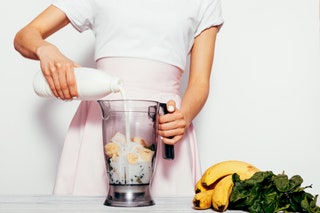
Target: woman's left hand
[(172, 126)]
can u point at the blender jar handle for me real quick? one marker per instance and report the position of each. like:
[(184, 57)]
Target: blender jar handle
[(167, 149)]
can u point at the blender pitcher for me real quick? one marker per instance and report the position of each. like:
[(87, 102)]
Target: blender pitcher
[(130, 143)]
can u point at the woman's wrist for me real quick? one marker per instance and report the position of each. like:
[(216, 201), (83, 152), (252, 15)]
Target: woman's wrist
[(43, 48)]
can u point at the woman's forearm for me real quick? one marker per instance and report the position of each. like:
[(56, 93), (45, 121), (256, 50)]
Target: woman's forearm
[(201, 61), (28, 41), (194, 100)]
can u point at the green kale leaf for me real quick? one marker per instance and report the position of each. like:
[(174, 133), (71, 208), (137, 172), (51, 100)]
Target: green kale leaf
[(266, 192)]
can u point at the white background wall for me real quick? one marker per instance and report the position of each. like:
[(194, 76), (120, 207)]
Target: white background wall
[(264, 105)]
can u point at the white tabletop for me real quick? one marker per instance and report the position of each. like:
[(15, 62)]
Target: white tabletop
[(83, 204)]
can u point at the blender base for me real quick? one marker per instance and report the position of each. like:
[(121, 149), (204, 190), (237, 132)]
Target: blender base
[(129, 196)]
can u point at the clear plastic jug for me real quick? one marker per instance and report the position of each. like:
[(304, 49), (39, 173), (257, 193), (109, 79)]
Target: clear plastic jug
[(130, 144)]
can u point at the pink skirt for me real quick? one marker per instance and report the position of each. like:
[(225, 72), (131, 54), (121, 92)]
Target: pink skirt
[(82, 169)]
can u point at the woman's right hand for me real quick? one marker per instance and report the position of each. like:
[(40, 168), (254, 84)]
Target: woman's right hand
[(58, 71)]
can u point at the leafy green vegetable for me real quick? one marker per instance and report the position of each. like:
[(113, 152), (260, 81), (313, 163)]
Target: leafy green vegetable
[(266, 192)]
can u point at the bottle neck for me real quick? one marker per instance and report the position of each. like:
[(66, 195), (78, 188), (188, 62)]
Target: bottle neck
[(116, 85)]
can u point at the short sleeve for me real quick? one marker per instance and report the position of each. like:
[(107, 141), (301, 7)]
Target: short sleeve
[(79, 12), (210, 15)]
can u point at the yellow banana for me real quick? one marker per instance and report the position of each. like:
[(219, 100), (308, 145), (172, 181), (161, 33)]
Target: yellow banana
[(200, 188), (202, 200), (224, 168), (221, 194)]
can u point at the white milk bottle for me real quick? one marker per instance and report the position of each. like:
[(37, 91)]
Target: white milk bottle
[(92, 84)]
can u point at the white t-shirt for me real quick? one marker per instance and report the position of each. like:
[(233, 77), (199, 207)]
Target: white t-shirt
[(162, 30)]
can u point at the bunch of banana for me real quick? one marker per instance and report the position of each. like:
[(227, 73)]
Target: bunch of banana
[(215, 186)]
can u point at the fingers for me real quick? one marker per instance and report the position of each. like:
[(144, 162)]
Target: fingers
[(61, 80), (72, 85), (171, 106), (173, 130), (172, 126)]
